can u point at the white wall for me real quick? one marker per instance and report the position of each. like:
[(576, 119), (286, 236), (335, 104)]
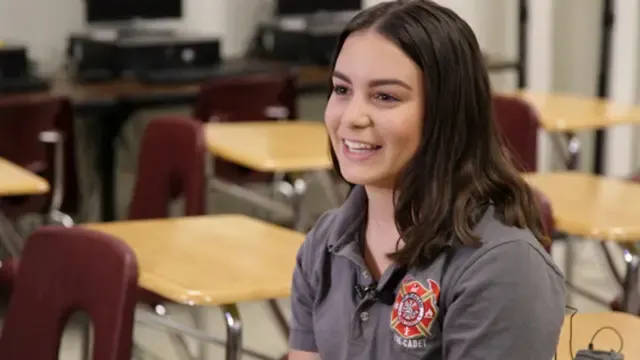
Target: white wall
[(620, 157), (44, 24), (41, 24)]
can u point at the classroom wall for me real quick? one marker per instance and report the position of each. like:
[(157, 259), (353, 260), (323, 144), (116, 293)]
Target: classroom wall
[(44, 24), (41, 24), (620, 156)]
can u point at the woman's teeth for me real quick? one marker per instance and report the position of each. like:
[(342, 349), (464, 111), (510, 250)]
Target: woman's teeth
[(356, 146)]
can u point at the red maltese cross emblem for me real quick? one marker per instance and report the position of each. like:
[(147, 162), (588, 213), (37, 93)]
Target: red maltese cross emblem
[(415, 308)]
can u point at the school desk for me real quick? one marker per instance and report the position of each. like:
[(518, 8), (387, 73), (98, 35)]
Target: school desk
[(564, 115), (14, 181), (563, 112), (596, 207), (279, 147), (213, 260), (585, 325)]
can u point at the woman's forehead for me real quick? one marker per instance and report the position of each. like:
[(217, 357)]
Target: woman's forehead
[(368, 55)]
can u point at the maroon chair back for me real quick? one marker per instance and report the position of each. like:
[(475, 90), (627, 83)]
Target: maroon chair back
[(62, 271), (171, 162), (21, 122), (255, 97), (546, 214), (518, 124)]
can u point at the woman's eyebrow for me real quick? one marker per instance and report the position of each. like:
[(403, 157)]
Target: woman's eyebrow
[(374, 82)]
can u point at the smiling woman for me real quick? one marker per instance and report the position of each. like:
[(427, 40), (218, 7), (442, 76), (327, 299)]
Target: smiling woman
[(438, 251)]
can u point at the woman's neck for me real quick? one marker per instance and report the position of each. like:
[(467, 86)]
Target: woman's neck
[(380, 206), (381, 234)]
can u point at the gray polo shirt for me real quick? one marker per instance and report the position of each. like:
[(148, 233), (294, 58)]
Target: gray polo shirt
[(503, 300)]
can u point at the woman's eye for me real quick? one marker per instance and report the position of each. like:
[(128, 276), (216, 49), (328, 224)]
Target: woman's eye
[(340, 90), (385, 97)]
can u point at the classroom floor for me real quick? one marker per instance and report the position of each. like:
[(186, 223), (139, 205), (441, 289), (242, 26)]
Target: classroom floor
[(260, 332)]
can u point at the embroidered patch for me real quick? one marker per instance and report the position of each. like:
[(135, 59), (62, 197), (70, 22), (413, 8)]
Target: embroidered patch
[(414, 309)]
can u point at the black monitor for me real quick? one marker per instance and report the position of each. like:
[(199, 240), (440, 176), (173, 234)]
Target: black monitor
[(123, 10), (108, 10), (302, 7), (159, 9)]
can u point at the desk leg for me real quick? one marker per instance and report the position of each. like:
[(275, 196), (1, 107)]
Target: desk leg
[(111, 123), (233, 345), (572, 162), (631, 301), (303, 219), (10, 237), (573, 147), (329, 187), (232, 321), (280, 318)]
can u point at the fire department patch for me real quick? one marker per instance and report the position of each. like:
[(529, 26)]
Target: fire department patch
[(415, 308)]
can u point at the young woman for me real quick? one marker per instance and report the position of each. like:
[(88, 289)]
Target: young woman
[(438, 251)]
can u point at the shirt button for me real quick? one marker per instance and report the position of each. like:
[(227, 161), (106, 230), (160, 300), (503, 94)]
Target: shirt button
[(365, 275), (364, 316)]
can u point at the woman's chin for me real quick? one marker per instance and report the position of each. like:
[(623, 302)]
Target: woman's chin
[(360, 177)]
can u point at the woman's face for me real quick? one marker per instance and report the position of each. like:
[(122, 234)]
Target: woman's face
[(375, 113)]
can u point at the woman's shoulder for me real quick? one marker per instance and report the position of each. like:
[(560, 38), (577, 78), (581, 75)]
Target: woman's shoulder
[(506, 251), (496, 237)]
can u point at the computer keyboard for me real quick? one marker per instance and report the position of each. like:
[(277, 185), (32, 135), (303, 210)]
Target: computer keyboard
[(22, 85), (192, 75)]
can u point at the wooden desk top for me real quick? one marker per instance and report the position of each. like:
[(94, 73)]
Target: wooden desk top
[(211, 260), (592, 206), (586, 324), (15, 181), (271, 146), (561, 112)]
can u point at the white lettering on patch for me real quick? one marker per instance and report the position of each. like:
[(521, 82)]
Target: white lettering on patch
[(410, 343)]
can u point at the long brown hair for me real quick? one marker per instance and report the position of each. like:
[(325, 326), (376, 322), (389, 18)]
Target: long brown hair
[(461, 166)]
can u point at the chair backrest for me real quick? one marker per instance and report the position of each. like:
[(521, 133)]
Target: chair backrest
[(546, 214), (22, 121), (62, 271), (248, 97), (171, 162), (518, 124), (251, 97)]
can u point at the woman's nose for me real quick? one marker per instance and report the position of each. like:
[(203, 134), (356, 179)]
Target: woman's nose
[(357, 115)]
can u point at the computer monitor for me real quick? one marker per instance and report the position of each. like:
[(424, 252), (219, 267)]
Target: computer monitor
[(98, 11), (108, 10), (302, 7), (339, 5), (159, 9)]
